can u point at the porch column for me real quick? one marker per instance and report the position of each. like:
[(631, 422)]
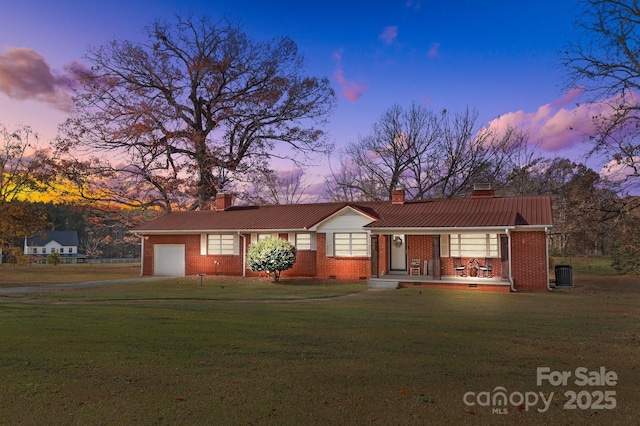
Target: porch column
[(435, 248)]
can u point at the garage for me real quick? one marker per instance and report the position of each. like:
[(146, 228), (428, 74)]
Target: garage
[(168, 260)]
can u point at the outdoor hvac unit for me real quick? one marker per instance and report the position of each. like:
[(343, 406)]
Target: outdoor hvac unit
[(564, 276)]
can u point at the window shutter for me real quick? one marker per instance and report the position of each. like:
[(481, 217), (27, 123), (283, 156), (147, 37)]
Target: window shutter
[(291, 238), (329, 244), (444, 246), (203, 244), (254, 238), (314, 241), (236, 244)]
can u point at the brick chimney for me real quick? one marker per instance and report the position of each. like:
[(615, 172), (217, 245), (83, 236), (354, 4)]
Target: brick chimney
[(482, 190), (397, 196), (224, 200)]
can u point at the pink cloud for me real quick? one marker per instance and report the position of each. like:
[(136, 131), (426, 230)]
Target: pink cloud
[(389, 34), (25, 75), (569, 98), (553, 126), (433, 51), (620, 170), (350, 89)]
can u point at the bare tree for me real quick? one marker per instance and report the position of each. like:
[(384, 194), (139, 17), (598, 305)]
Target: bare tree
[(427, 154), (185, 111), (278, 187), (25, 169), (605, 61)]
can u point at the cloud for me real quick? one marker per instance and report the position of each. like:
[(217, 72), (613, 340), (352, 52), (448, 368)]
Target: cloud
[(620, 170), (433, 50), (413, 4), (350, 89), (389, 34), (25, 75), (553, 126)]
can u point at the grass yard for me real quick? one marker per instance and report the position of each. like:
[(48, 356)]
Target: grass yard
[(42, 274), (309, 352)]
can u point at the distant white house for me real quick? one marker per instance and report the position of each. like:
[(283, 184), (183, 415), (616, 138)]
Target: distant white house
[(65, 243)]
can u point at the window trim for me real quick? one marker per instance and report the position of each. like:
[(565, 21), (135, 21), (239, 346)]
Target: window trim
[(221, 246), (458, 248), (340, 252), (308, 244)]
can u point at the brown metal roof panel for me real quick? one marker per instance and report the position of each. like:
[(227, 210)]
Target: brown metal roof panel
[(299, 216)]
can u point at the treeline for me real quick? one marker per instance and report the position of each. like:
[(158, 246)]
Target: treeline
[(102, 232)]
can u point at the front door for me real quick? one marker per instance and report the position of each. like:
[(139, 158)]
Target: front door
[(398, 254)]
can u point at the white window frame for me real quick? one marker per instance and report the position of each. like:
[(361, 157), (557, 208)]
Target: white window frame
[(221, 244), (303, 241), (350, 244), (474, 245)]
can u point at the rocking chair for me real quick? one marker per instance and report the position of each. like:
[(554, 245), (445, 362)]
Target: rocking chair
[(458, 267), (486, 269)]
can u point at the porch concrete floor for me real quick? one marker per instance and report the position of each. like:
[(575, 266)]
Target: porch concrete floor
[(393, 280)]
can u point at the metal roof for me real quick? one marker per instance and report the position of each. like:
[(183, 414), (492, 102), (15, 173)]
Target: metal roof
[(437, 213), (64, 238)]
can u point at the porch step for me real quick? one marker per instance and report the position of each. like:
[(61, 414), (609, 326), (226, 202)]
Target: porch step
[(386, 283)]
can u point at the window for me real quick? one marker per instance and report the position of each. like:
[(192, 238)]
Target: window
[(473, 245), (264, 236), (44, 250), (34, 250), (350, 244), (220, 244), (303, 241)]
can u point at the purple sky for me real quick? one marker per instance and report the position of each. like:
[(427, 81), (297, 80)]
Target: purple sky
[(498, 57)]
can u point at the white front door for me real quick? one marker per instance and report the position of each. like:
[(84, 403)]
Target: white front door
[(168, 260), (398, 253)]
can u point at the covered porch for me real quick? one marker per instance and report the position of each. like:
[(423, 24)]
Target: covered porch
[(463, 258), (391, 281)]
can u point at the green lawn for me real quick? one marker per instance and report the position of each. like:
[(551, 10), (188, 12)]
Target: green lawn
[(310, 352), (40, 274)]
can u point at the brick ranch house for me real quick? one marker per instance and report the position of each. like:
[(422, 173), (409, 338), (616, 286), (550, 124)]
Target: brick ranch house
[(480, 242)]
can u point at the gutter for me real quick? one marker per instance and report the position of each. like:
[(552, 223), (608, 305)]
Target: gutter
[(135, 234), (244, 255), (547, 246)]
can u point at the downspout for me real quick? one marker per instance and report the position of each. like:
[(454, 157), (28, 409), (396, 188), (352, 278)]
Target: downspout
[(244, 255), (141, 252), (547, 247), (511, 283)]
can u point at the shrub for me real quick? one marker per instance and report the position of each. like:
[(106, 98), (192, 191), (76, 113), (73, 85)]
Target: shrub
[(54, 259), (271, 255)]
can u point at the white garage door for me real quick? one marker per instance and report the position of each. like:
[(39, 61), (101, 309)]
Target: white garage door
[(168, 260)]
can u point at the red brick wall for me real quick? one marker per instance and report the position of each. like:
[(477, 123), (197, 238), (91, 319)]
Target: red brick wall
[(342, 268), (231, 265), (447, 265), (529, 260), (195, 263), (419, 247), (305, 265)]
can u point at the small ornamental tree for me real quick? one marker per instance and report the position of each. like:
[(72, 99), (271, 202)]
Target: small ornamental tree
[(54, 259), (271, 255)]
